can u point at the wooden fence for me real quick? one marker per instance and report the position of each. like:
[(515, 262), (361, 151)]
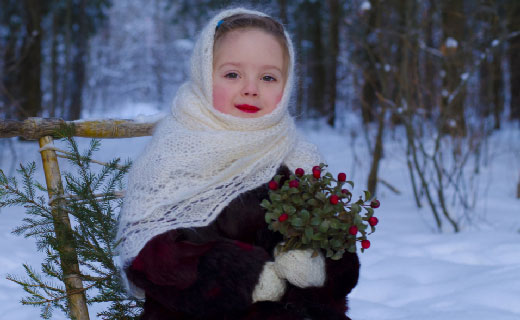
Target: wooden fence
[(43, 130)]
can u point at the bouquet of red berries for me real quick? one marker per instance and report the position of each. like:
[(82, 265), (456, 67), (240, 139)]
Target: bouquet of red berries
[(316, 211)]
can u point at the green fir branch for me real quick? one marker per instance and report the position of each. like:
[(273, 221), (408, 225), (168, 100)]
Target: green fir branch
[(92, 202)]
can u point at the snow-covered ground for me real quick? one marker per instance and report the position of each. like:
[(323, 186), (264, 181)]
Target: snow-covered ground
[(411, 271)]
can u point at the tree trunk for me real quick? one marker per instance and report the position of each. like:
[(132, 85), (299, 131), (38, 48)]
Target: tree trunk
[(332, 61), (491, 84), (371, 83), (66, 72), (430, 75), (54, 65), (78, 64), (10, 91), (282, 6), (317, 72), (377, 155), (514, 57), (30, 67), (77, 302), (453, 93)]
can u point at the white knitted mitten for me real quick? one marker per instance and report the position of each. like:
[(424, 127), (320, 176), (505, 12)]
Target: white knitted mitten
[(300, 268), (269, 287)]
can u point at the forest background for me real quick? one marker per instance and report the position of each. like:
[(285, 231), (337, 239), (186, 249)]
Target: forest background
[(435, 68), (446, 59)]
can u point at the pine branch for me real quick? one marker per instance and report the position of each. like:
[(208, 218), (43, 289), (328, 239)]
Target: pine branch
[(71, 156)]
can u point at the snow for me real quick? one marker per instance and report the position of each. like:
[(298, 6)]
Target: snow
[(410, 272), (365, 6), (451, 42)]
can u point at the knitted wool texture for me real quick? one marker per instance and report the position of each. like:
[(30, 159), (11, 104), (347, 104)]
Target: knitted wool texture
[(270, 287), (200, 159), (300, 268)]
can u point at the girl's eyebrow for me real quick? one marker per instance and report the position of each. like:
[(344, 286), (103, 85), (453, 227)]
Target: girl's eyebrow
[(237, 64)]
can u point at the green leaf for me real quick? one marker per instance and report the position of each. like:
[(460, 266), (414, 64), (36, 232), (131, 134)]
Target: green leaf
[(367, 195), (316, 221), (335, 243), (335, 224), (274, 196), (309, 232), (317, 211), (330, 253), (297, 222), (355, 208), (265, 204), (305, 215), (297, 200), (312, 202), (319, 236), (324, 226), (320, 196), (294, 191), (338, 255), (289, 209)]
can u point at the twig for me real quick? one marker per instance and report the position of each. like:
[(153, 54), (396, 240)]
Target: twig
[(389, 186), (50, 147)]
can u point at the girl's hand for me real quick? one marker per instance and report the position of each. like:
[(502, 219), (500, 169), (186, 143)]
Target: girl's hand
[(300, 268), (270, 286)]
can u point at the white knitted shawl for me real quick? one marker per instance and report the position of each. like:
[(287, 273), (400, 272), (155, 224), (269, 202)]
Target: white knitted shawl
[(200, 159)]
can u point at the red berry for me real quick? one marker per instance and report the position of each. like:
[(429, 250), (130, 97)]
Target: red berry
[(316, 172), (273, 185), (283, 217), (375, 204), (294, 184), (353, 230), (373, 221), (345, 191), (365, 244), (299, 172), (334, 199), (342, 177)]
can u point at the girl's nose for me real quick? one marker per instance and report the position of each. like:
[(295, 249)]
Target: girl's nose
[(250, 88)]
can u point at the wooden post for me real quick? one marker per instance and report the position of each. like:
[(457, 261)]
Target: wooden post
[(68, 256)]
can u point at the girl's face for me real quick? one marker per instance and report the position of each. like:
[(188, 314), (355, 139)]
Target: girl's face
[(249, 72)]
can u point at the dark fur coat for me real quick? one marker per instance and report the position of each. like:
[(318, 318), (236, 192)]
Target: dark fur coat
[(210, 272)]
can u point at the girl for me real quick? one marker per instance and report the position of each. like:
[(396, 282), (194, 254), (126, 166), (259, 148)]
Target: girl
[(194, 242)]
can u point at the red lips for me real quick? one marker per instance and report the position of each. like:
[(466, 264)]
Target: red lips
[(247, 108)]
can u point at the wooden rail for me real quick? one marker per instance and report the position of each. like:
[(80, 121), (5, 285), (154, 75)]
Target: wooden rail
[(35, 128)]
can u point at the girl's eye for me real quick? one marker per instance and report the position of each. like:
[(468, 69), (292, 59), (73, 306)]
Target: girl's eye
[(231, 75), (268, 78)]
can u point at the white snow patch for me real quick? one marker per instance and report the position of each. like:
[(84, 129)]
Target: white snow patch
[(451, 42), (365, 6)]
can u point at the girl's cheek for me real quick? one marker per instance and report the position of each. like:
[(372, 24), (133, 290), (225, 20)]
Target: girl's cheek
[(219, 98), (279, 98)]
